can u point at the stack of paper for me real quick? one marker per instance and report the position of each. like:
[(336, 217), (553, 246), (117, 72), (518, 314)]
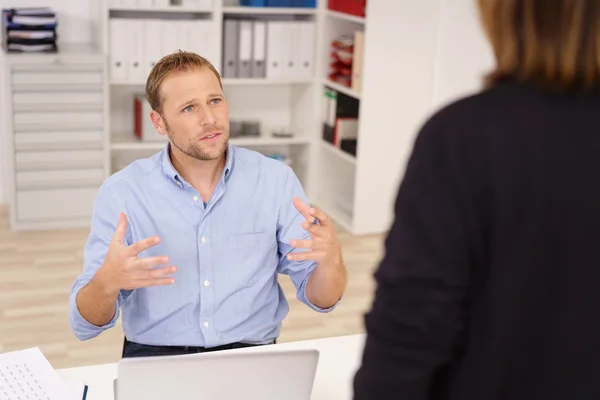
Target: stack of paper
[(29, 29), (27, 374)]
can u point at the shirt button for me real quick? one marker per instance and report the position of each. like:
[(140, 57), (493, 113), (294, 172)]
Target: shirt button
[(195, 198), (205, 324), (206, 283), (203, 239)]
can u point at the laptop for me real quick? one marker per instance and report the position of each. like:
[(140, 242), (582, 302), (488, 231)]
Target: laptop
[(222, 375)]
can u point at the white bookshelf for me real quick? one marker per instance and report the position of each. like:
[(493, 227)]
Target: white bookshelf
[(358, 190), (277, 103)]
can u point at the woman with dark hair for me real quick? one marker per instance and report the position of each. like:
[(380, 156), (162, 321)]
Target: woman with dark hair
[(488, 289)]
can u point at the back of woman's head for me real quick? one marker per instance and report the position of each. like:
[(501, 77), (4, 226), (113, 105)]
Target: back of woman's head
[(553, 43)]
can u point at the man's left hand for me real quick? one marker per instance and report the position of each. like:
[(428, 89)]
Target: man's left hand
[(323, 246)]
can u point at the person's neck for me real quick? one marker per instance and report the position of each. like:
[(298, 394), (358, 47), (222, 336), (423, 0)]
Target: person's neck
[(204, 176)]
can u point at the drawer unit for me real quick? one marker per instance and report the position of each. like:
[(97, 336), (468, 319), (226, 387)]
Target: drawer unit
[(26, 121), (55, 205), (56, 77), (60, 178), (57, 137), (59, 101), (58, 140), (48, 160)]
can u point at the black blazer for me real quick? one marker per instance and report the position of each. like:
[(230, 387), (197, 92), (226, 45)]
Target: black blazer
[(490, 284)]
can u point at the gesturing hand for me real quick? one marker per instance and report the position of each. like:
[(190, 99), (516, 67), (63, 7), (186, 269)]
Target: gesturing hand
[(122, 269), (323, 245)]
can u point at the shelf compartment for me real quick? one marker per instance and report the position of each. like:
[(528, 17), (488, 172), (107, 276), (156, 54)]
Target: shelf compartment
[(335, 192), (346, 17), (338, 152), (341, 88)]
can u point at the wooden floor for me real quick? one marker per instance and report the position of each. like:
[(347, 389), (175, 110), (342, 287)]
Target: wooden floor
[(38, 268)]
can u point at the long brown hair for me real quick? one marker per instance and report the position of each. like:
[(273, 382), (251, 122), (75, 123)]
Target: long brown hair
[(554, 43)]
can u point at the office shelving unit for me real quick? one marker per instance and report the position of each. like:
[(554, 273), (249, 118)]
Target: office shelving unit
[(326, 172), (55, 131), (333, 179)]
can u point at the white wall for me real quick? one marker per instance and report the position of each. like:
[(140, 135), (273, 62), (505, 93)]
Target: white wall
[(74, 18), (398, 66), (463, 53)]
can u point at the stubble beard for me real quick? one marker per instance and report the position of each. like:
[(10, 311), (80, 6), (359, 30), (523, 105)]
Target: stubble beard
[(193, 149)]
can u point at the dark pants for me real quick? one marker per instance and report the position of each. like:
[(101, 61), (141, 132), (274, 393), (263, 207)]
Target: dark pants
[(131, 349)]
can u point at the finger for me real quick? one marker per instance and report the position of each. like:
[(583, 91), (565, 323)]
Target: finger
[(306, 255), (155, 282), (149, 262), (312, 228), (318, 214), (158, 273), (121, 229), (302, 207), (139, 246), (302, 244)]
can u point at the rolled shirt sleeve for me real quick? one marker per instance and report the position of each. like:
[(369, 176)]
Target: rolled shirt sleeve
[(104, 222), (291, 228)]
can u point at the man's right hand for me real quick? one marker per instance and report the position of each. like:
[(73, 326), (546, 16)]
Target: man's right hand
[(123, 270)]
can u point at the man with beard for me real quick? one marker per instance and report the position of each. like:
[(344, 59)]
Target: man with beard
[(188, 243)]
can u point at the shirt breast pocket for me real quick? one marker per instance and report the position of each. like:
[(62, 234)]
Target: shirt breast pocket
[(256, 240), (250, 257)]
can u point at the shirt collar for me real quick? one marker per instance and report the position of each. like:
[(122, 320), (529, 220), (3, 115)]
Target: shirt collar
[(170, 171)]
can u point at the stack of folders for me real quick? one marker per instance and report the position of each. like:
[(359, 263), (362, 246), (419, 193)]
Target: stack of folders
[(345, 66), (340, 120), (279, 3), (136, 45), (268, 49), (29, 30)]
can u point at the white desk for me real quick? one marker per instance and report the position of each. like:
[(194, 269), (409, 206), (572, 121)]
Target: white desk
[(338, 360)]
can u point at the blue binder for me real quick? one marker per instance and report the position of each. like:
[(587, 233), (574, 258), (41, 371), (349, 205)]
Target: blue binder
[(304, 3), (279, 3), (254, 3)]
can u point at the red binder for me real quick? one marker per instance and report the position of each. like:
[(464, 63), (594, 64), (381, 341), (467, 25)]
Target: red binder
[(352, 7)]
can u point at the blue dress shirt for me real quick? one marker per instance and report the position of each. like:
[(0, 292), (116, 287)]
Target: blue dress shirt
[(228, 253)]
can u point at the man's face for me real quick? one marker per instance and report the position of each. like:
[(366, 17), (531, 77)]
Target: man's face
[(195, 114)]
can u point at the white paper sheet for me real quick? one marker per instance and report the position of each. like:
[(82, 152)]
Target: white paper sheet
[(77, 389), (27, 375)]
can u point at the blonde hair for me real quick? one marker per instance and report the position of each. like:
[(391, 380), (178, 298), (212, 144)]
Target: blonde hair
[(176, 62)]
